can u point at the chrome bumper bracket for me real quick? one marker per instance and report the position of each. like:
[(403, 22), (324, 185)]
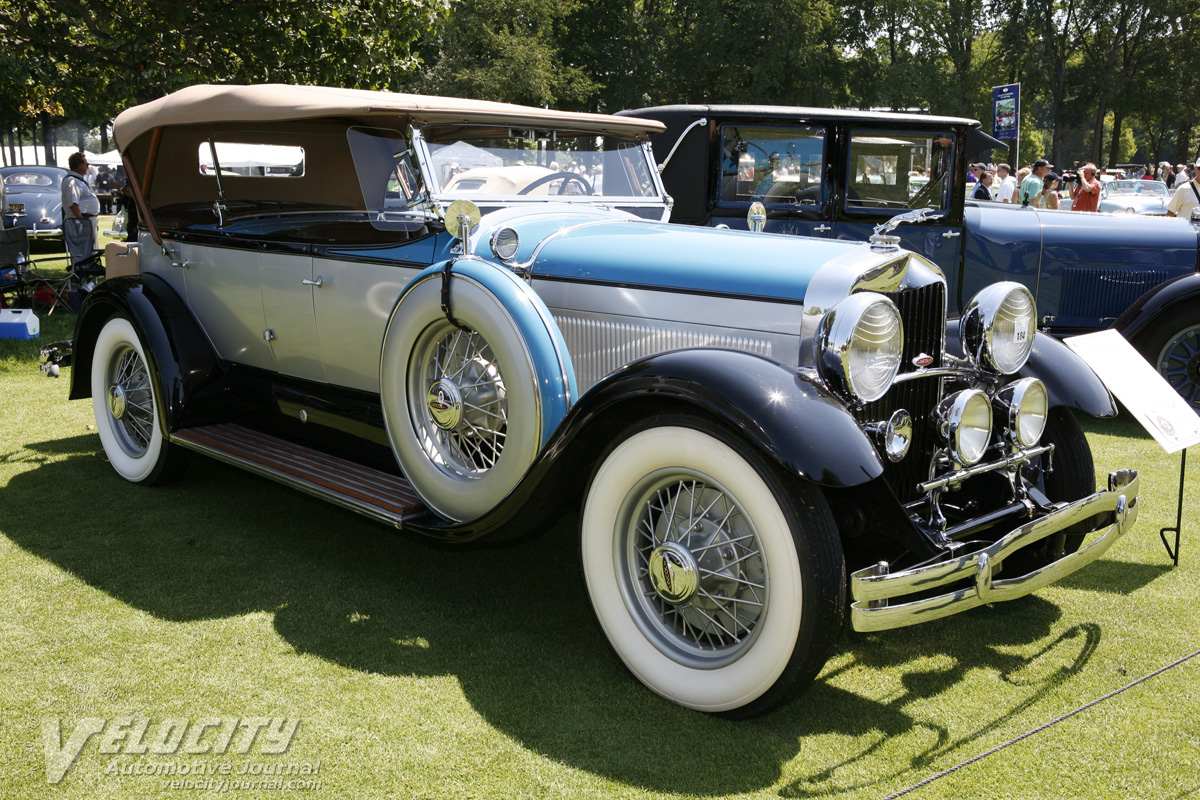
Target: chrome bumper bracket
[(873, 593)]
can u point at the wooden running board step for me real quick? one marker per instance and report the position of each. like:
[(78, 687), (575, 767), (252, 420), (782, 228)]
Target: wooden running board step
[(379, 495)]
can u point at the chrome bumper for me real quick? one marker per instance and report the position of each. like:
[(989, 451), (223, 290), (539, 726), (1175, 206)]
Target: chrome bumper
[(873, 593)]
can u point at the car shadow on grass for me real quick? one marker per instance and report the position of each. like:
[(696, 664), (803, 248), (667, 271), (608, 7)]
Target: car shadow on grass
[(512, 624)]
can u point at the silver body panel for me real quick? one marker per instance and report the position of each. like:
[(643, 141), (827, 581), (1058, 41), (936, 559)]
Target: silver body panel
[(607, 327)]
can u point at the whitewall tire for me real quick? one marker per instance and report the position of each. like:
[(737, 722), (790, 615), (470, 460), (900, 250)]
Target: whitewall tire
[(128, 408), (718, 581)]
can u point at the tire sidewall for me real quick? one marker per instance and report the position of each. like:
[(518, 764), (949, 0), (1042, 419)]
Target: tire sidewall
[(118, 332), (418, 315), (742, 681)]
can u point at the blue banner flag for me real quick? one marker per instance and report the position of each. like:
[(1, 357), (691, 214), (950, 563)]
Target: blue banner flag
[(1006, 121)]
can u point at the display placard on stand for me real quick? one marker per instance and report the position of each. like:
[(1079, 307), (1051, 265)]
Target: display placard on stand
[(1161, 411)]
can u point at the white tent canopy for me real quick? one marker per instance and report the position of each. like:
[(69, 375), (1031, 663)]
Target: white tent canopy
[(110, 159)]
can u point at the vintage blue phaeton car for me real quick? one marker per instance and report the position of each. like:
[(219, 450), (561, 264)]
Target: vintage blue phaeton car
[(837, 174), (460, 318)]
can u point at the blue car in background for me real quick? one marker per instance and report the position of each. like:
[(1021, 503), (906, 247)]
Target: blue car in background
[(34, 199), (837, 174)]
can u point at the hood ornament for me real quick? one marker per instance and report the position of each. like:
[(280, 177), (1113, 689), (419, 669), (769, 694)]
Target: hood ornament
[(882, 240)]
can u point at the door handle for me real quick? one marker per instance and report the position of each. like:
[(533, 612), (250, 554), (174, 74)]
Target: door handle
[(318, 283), (822, 228), (951, 234)]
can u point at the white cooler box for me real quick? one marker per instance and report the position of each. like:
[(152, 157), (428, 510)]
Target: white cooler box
[(19, 323)]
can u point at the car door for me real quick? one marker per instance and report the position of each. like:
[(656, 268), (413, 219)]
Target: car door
[(890, 172), (781, 166), (290, 323)]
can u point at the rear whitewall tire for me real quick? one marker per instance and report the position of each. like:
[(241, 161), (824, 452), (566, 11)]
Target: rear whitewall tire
[(801, 560), (128, 407)]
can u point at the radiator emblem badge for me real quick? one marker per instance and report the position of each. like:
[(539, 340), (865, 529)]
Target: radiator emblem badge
[(923, 360)]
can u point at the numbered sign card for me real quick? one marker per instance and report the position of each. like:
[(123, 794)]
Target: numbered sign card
[(1158, 407)]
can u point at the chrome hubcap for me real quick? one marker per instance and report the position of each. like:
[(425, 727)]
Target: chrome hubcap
[(673, 573), (445, 405), (116, 402)]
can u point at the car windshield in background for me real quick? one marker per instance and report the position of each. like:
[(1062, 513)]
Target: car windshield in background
[(893, 170), (779, 166), (19, 179), (1137, 189), (476, 162)]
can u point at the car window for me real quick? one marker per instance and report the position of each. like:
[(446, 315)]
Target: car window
[(777, 166), (890, 170), (251, 160), (28, 179)]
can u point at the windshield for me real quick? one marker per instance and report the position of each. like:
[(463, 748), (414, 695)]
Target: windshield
[(1139, 188), (478, 162)]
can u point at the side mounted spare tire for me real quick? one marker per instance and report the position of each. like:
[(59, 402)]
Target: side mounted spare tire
[(468, 408)]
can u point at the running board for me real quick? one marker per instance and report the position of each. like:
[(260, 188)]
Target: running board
[(379, 495)]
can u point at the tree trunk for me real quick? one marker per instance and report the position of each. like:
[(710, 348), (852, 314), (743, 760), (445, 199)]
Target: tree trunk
[(47, 140), (104, 148), (80, 145), (1183, 143), (1097, 152), (1114, 149)]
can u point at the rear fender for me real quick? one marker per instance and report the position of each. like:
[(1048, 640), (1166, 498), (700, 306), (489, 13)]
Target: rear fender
[(181, 360), (1157, 302)]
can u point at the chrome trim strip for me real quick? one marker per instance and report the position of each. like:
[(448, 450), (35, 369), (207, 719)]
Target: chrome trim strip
[(871, 592)]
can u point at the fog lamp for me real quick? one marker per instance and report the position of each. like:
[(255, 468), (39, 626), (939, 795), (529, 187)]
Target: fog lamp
[(965, 422), (1025, 404)]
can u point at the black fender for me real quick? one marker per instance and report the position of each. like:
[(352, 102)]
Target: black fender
[(181, 358), (789, 416), (1154, 304), (1069, 381)]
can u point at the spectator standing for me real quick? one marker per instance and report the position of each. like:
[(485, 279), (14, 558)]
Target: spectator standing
[(1048, 197), (1186, 196), (1085, 194), (1007, 191), (80, 207), (104, 190), (983, 187), (1031, 187), (129, 204), (973, 173)]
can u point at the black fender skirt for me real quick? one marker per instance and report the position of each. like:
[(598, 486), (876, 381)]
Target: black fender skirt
[(791, 418)]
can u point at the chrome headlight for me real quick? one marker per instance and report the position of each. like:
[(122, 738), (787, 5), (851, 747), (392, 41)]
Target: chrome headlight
[(964, 420), (998, 327), (1026, 404), (858, 346), (505, 243)]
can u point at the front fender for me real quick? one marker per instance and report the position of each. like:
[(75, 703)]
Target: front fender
[(1069, 381), (788, 416), (1160, 300), (181, 360)]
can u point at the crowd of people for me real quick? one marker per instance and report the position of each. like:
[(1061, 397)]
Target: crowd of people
[(1038, 185)]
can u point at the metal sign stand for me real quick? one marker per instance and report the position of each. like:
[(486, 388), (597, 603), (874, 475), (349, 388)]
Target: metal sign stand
[(1162, 534)]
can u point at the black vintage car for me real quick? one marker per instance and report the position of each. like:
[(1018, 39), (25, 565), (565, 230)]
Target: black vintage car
[(837, 174)]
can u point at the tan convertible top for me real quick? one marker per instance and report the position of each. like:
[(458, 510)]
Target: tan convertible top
[(272, 102)]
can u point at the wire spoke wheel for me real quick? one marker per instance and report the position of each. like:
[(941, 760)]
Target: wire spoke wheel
[(695, 563), (460, 401), (1179, 363), (130, 401)]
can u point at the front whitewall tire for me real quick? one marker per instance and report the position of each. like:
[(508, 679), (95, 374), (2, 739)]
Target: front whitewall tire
[(726, 673)]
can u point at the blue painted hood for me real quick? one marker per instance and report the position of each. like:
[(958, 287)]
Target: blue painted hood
[(659, 255)]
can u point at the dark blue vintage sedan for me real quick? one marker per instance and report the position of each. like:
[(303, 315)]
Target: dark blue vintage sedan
[(34, 199), (838, 174)]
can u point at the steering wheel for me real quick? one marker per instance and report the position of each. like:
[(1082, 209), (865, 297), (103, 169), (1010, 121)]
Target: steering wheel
[(565, 177)]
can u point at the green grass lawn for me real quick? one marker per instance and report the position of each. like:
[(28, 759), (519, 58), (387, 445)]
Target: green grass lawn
[(420, 672)]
